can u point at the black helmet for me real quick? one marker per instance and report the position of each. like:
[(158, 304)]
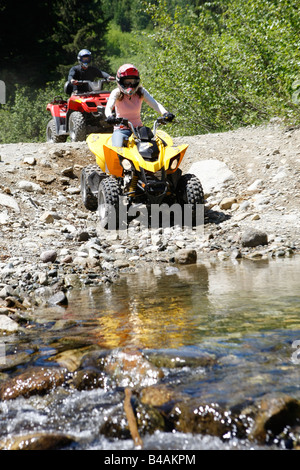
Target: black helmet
[(84, 58)]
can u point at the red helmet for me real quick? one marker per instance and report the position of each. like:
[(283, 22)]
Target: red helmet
[(128, 79)]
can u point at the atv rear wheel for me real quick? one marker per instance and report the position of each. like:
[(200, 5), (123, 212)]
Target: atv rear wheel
[(90, 180), (108, 203), (51, 135), (190, 192), (77, 127)]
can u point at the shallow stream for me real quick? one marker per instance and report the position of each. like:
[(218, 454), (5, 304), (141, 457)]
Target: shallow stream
[(245, 315)]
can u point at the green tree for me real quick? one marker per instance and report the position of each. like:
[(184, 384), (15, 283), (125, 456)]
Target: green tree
[(37, 37), (129, 15), (78, 25), (24, 118), (230, 65)]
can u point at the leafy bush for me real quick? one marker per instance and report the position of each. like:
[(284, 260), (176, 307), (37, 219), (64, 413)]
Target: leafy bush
[(24, 118), (217, 65), (233, 64)]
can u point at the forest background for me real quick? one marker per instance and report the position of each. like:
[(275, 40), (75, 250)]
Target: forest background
[(217, 65)]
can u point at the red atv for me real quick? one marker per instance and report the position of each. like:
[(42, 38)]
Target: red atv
[(80, 115)]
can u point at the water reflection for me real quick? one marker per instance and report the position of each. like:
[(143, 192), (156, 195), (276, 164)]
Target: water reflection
[(171, 309), (146, 310), (246, 315)]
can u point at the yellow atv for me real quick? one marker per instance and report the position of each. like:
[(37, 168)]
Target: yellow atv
[(143, 172)]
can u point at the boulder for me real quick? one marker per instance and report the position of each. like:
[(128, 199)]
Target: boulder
[(9, 201), (254, 237), (35, 380), (36, 441), (8, 325), (28, 186), (275, 413), (213, 174), (59, 298)]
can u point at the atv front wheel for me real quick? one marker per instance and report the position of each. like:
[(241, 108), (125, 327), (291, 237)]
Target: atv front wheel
[(190, 192), (108, 203), (91, 177), (77, 127), (51, 135)]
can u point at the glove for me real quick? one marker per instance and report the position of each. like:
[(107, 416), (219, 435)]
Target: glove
[(111, 119), (169, 117)]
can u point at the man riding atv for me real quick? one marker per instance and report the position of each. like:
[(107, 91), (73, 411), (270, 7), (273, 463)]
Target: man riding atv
[(84, 71), (83, 112)]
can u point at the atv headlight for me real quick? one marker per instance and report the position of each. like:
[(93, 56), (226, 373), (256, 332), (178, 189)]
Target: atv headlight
[(174, 163), (126, 164)]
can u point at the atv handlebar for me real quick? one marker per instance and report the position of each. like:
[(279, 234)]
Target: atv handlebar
[(94, 86), (108, 79), (167, 117)]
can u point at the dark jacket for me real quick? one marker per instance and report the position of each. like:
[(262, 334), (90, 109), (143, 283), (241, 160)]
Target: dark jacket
[(77, 73)]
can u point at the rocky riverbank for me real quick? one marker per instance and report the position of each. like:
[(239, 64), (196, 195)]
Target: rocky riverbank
[(51, 243)]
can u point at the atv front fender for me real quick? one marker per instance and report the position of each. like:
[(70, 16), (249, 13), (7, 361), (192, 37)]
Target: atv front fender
[(58, 113)]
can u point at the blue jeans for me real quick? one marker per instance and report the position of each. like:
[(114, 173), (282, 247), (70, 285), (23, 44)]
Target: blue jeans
[(119, 135)]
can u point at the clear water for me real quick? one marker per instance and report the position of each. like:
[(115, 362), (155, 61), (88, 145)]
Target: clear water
[(244, 314)]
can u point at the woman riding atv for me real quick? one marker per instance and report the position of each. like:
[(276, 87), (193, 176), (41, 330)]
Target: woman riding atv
[(127, 100)]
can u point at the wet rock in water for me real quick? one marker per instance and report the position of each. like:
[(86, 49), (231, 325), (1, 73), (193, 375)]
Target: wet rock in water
[(158, 395), (253, 237), (36, 380), (115, 425), (71, 359), (48, 256), (120, 263), (59, 298), (88, 379), (186, 256), (14, 360), (274, 414), (95, 359), (149, 419), (130, 368), (191, 417), (168, 360), (36, 441)]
